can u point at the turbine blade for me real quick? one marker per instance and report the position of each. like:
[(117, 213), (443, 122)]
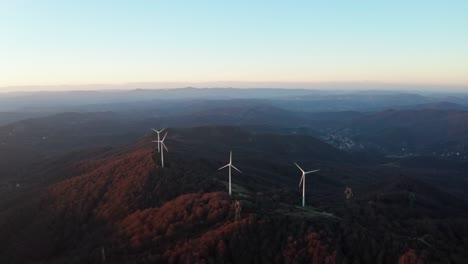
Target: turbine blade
[(302, 178), (155, 130), (236, 168), (298, 167), (223, 167), (162, 130), (164, 137), (164, 146), (311, 171)]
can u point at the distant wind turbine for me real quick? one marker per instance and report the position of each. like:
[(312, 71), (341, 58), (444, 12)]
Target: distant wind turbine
[(159, 146), (304, 173), (230, 166), (163, 146)]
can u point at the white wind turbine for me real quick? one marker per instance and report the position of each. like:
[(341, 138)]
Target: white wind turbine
[(304, 173), (159, 146), (230, 166), (163, 146)]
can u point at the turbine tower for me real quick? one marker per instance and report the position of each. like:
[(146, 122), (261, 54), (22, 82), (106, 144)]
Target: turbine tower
[(304, 173), (163, 146), (229, 165), (159, 146)]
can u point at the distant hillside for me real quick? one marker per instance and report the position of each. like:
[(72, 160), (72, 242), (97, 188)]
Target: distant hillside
[(237, 114), (59, 101), (213, 141), (320, 99), (35, 139), (442, 105), (11, 117), (357, 101), (444, 132)]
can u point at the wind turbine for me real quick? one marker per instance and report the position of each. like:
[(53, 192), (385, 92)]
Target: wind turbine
[(163, 146), (159, 147), (304, 173), (230, 166)]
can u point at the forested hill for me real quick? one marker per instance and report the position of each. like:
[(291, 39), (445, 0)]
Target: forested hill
[(122, 206)]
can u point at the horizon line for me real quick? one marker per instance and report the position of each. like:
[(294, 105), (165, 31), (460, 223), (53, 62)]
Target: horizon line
[(313, 85)]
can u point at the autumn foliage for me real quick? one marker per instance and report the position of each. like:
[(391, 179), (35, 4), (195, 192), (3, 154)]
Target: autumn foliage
[(125, 205)]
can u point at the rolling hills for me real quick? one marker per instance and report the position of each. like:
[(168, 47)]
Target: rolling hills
[(78, 187)]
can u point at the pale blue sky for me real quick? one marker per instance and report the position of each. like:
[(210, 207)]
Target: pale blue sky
[(54, 42)]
